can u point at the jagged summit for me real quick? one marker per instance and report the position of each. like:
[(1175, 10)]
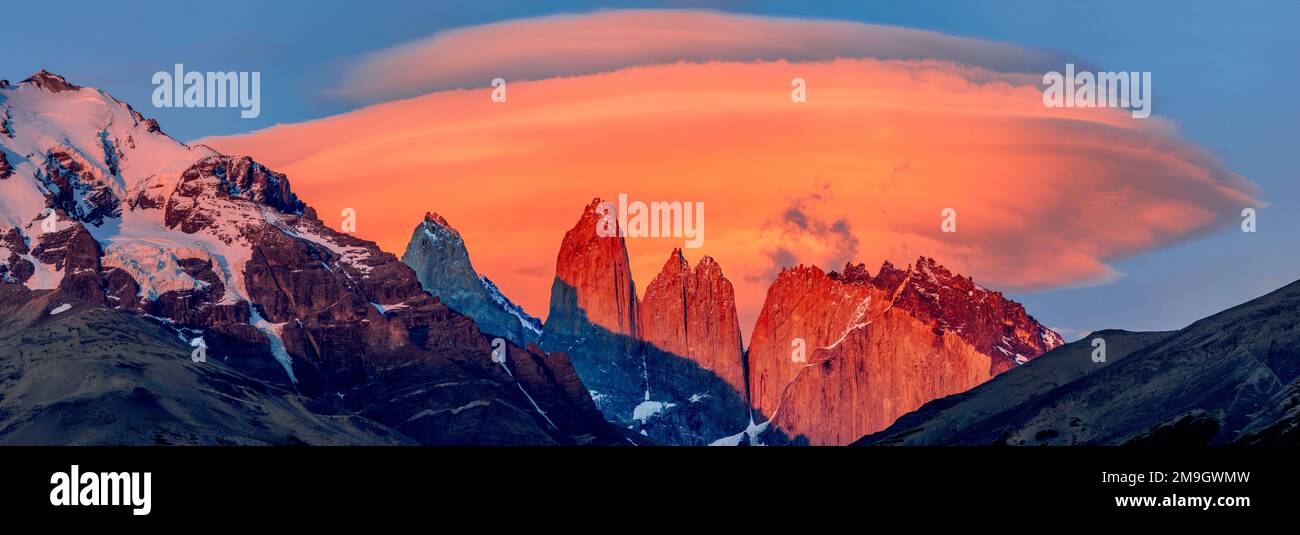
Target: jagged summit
[(676, 257), (442, 264), (431, 217), (50, 82), (884, 344), (669, 366)]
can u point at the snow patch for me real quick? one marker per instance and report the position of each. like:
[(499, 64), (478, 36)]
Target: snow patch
[(61, 309), (384, 309), (536, 407), (752, 431), (433, 238), (646, 409), (273, 332), (156, 268)]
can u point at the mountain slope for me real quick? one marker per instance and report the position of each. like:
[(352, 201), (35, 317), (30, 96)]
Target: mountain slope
[(1233, 377), (441, 262), (79, 373)]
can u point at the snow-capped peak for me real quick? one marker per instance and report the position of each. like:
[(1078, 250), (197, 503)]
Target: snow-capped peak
[(162, 213), (52, 124), (50, 82)]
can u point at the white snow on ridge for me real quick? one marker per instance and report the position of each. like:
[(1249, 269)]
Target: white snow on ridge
[(528, 322), (102, 135), (856, 323), (134, 243), (350, 255), (46, 277), (90, 122), (61, 309)]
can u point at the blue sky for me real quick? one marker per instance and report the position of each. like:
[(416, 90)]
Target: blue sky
[(1226, 73)]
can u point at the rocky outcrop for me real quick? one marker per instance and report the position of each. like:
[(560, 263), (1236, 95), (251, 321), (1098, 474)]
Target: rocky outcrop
[(804, 309), (75, 253), (78, 188), (990, 322), (1231, 378), (50, 82), (593, 283), (14, 268), (657, 388), (692, 313), (5, 130), (6, 170), (229, 179), (836, 356), (441, 262)]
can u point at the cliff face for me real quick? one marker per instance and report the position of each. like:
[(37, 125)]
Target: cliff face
[(804, 309), (874, 348), (661, 367), (441, 262), (692, 313), (1231, 378), (593, 283), (834, 356)]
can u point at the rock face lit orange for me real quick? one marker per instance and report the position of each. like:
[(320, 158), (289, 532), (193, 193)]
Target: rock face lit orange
[(692, 313), (669, 367), (672, 365), (592, 271), (879, 347)]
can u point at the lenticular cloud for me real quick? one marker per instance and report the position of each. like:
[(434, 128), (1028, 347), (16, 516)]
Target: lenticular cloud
[(1044, 197), (566, 45)]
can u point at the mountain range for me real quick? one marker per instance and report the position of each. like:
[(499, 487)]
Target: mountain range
[(153, 292), (671, 363)]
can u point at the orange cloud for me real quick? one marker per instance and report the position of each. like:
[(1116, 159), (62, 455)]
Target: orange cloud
[(565, 45), (1044, 197)]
